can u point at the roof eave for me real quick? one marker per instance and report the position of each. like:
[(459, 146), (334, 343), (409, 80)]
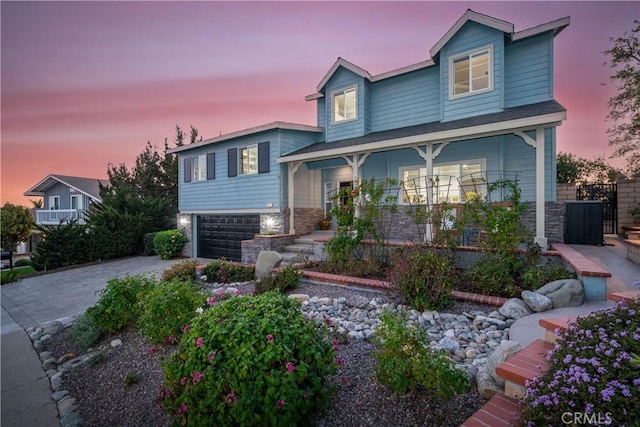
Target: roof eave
[(478, 131), (556, 26), (247, 132)]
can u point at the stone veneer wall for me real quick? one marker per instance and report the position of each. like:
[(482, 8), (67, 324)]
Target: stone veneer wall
[(184, 225), (553, 222), (306, 219), (252, 248), (403, 226)]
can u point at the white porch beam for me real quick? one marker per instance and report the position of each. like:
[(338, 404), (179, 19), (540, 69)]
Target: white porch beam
[(292, 169)]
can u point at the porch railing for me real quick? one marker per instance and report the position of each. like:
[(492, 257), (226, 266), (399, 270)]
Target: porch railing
[(55, 216)]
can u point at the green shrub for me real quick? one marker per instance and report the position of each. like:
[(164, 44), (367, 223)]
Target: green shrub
[(22, 262), (406, 362), (537, 276), (85, 333), (62, 245), (118, 304), (249, 361), (167, 308), (97, 358), (283, 280), (169, 243), (425, 276), (8, 276), (591, 371), (130, 379), (183, 270), (147, 241), (493, 274), (223, 271)]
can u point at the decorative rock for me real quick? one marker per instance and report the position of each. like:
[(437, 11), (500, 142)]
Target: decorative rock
[(49, 364), (487, 387), (35, 335), (267, 261), (116, 343), (58, 395), (448, 344), (64, 358), (66, 406), (56, 381), (44, 355), (515, 308), (502, 352), (299, 297), (231, 291), (564, 293), (71, 420), (53, 327), (358, 301), (537, 302)]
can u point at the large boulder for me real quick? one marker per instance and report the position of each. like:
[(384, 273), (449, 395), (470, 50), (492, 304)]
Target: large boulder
[(564, 293), (487, 386), (515, 308), (505, 350), (267, 261), (537, 302)]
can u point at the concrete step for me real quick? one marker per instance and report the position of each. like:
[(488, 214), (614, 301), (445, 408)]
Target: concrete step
[(304, 241), (289, 258), (298, 248), (551, 325), (524, 365), (499, 411)]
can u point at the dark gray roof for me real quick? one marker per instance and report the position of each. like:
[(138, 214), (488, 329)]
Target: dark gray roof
[(88, 186), (531, 110)]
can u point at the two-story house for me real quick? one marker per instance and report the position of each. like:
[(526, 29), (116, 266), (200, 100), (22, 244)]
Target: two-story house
[(480, 108), (65, 198)]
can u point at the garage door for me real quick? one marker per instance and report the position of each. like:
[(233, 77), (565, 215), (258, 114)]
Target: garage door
[(220, 235)]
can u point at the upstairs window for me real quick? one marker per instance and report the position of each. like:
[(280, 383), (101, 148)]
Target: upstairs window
[(345, 105), (199, 168), (471, 73), (248, 160)]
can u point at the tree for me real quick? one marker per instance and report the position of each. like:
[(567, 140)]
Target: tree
[(573, 169), (17, 224), (624, 107)]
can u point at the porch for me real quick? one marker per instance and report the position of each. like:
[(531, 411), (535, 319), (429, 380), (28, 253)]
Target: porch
[(56, 216)]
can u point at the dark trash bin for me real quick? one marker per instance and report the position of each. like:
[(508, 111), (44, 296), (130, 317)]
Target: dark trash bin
[(583, 222)]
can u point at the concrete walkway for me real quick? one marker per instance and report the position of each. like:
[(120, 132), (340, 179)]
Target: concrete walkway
[(26, 392), (613, 258)]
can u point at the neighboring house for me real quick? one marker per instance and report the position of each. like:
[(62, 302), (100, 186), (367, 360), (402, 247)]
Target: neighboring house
[(481, 108), (65, 198)]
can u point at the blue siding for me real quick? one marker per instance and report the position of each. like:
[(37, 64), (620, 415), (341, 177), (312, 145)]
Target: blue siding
[(291, 140), (342, 79), (367, 106), (529, 71), (522, 157), (60, 190), (322, 115), (406, 100), (470, 37), (240, 192)]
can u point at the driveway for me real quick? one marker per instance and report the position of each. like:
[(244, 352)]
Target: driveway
[(63, 294)]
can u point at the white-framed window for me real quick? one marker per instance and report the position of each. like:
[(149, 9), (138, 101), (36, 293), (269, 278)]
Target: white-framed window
[(248, 160), (471, 72), (199, 168), (460, 181), (76, 202), (345, 105), (54, 202)]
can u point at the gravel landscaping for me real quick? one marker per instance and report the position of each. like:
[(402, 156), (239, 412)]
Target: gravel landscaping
[(123, 389)]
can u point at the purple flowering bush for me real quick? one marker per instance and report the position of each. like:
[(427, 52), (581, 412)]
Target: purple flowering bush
[(591, 372), (249, 360)]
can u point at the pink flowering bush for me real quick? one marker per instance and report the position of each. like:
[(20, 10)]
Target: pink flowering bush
[(249, 361), (591, 372)]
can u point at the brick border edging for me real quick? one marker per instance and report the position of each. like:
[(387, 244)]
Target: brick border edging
[(381, 284)]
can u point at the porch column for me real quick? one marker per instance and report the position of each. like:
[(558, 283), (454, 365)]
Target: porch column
[(538, 143), (540, 238), (292, 168), (356, 162)]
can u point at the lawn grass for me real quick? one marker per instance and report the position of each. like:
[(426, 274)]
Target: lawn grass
[(8, 276)]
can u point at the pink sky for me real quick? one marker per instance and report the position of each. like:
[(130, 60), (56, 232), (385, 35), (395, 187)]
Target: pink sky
[(86, 84)]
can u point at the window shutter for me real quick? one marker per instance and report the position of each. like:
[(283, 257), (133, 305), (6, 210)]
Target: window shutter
[(263, 157), (187, 169), (211, 166), (232, 155)]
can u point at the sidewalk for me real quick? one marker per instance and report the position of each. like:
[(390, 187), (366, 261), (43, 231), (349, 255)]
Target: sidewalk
[(25, 388)]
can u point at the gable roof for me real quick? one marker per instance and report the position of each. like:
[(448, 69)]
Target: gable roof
[(470, 15), (472, 127), (87, 186), (246, 132)]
